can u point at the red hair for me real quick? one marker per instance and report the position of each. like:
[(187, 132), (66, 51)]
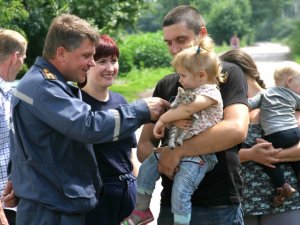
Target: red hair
[(107, 47)]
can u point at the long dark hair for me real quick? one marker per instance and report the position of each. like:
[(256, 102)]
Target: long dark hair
[(245, 62)]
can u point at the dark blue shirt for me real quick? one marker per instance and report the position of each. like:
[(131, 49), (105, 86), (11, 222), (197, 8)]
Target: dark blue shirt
[(113, 158)]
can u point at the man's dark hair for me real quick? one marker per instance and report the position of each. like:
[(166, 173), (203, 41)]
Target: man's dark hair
[(185, 13)]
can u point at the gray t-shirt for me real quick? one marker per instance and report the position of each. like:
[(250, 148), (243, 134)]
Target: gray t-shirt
[(277, 108)]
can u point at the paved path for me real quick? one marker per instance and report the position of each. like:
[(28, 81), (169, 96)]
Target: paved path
[(266, 56)]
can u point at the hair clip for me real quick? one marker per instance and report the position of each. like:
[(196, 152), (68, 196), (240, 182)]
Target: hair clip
[(198, 50)]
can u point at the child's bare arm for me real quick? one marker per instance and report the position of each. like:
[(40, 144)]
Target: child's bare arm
[(183, 111)]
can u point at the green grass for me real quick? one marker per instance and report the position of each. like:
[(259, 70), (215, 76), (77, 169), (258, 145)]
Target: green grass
[(139, 81), (224, 48)]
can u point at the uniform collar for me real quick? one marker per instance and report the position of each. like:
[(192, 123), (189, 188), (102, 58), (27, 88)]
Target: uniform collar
[(43, 63)]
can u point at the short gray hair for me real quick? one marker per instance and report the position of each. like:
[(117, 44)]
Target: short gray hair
[(11, 41)]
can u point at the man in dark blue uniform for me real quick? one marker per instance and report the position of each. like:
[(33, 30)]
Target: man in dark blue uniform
[(54, 171)]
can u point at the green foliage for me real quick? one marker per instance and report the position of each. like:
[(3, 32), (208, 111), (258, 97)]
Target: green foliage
[(33, 17), (143, 50), (152, 15), (108, 15), (269, 17), (226, 19), (41, 13), (294, 39), (11, 12), (139, 81)]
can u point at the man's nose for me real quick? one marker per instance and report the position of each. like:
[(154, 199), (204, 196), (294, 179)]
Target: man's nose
[(174, 49), (91, 62)]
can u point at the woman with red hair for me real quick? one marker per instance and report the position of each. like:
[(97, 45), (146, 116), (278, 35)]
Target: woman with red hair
[(114, 158)]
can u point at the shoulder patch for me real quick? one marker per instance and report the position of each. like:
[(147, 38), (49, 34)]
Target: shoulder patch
[(48, 75)]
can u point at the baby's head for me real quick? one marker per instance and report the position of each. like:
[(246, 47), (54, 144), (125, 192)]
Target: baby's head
[(287, 75)]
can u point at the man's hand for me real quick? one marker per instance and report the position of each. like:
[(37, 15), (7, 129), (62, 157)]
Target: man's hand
[(168, 163), (8, 197), (3, 220), (157, 106)]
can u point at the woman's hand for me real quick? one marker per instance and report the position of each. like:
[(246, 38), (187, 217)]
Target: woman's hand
[(263, 153)]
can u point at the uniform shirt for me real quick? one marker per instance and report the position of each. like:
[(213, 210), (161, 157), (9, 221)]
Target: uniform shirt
[(223, 185), (53, 162), (5, 97)]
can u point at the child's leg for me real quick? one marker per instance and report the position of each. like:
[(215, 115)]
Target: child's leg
[(284, 139), (186, 181), (276, 175), (296, 168), (281, 139), (147, 177)]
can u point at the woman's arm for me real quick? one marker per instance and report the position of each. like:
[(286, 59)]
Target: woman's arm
[(289, 154), (293, 153), (262, 153)]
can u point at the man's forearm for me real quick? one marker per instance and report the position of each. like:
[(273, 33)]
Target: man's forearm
[(226, 134), (146, 143)]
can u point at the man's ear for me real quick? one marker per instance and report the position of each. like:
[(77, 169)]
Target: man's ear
[(60, 54), (14, 57), (203, 31)]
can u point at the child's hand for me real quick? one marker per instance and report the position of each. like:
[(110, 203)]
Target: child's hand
[(159, 129)]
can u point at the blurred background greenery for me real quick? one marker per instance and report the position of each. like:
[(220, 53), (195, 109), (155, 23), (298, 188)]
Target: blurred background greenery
[(136, 26)]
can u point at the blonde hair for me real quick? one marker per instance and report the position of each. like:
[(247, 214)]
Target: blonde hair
[(68, 31), (285, 70), (201, 57), (11, 41)]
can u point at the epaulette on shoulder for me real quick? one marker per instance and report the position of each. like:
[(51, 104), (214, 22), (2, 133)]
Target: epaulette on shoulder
[(48, 75)]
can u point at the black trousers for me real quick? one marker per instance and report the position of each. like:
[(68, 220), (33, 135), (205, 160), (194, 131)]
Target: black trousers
[(10, 216), (283, 139)]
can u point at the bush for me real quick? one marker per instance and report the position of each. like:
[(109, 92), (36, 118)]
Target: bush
[(138, 82), (144, 50), (294, 39)]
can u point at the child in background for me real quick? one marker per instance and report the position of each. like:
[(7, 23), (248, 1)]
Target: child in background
[(277, 114)]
